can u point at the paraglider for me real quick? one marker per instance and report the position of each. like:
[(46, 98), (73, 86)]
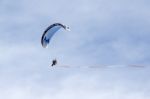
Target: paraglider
[(54, 62), (48, 34), (50, 31)]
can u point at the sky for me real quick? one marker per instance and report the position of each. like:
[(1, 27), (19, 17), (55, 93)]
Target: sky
[(107, 49)]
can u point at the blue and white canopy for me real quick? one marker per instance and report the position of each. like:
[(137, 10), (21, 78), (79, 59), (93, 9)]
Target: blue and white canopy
[(50, 31)]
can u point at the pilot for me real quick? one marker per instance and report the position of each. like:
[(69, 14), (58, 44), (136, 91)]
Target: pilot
[(54, 62)]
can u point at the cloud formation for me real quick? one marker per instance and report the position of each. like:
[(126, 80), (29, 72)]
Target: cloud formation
[(103, 32)]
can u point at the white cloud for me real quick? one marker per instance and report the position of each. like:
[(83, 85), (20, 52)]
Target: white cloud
[(102, 32), (103, 83)]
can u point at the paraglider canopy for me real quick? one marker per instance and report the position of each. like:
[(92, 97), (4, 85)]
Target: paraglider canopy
[(50, 31)]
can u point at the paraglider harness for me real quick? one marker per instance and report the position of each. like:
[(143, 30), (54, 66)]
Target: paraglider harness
[(54, 62)]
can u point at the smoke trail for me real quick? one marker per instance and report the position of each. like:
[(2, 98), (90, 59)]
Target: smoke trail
[(101, 66)]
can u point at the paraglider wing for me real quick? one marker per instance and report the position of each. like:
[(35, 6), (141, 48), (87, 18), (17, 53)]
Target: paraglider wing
[(50, 31)]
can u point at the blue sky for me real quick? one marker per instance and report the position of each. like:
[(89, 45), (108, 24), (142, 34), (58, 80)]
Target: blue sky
[(111, 33)]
